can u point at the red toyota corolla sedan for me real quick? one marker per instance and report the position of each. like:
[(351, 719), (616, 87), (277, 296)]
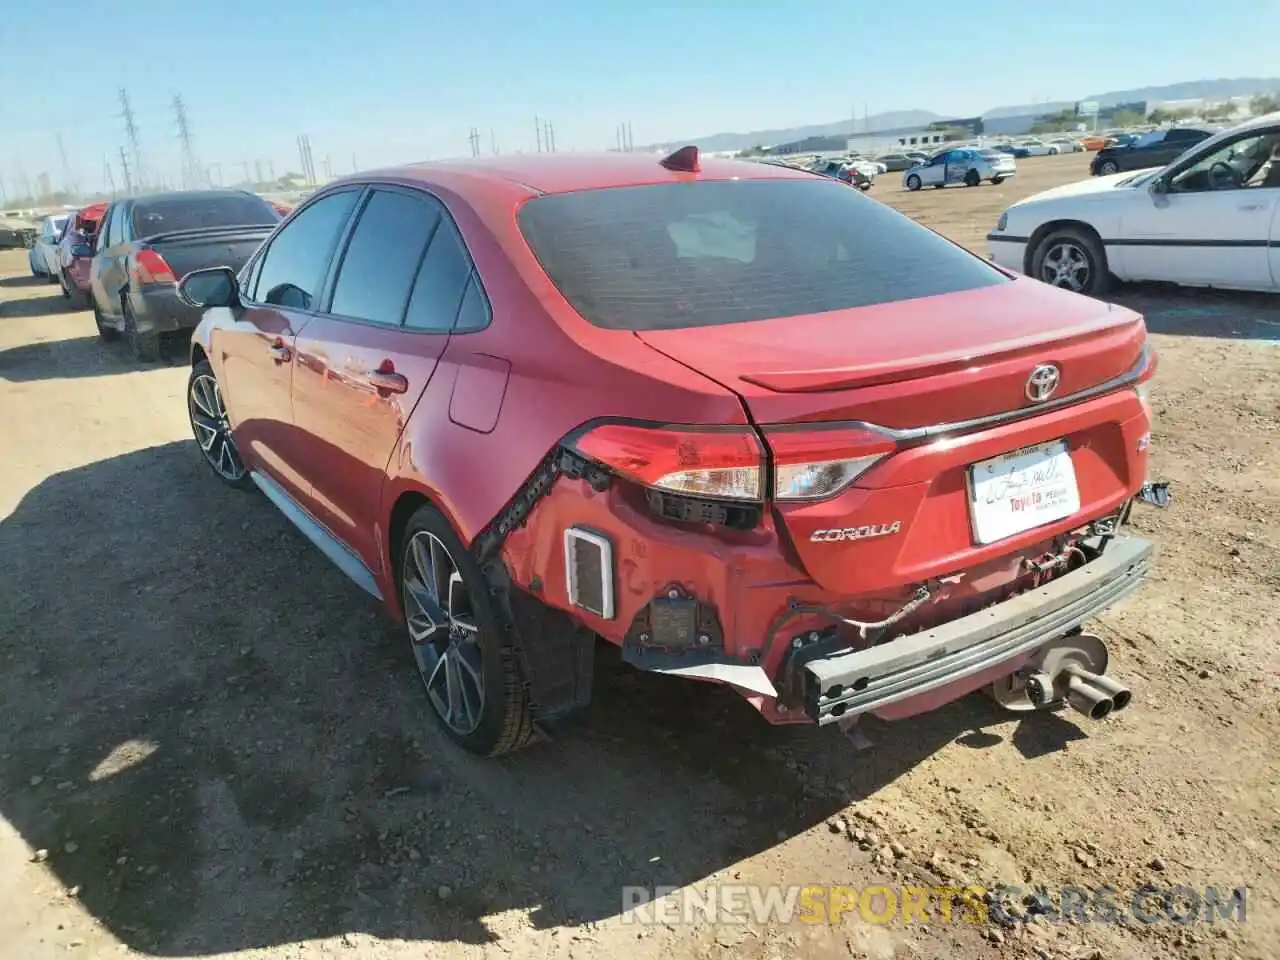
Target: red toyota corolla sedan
[(742, 421)]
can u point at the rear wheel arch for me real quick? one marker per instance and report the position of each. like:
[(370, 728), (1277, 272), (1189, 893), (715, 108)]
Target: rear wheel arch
[(197, 354)]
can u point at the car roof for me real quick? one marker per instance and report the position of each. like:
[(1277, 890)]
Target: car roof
[(568, 172)]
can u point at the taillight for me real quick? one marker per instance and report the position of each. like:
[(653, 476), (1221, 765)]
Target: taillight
[(696, 461), (150, 267), (812, 464)]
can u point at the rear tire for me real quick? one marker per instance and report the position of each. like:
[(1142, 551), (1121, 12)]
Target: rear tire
[(145, 346), (996, 181), (465, 623), (913, 182), (106, 333), (1108, 167), (972, 178)]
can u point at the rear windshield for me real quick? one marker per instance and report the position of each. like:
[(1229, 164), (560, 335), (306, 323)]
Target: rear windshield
[(714, 252), (166, 214)]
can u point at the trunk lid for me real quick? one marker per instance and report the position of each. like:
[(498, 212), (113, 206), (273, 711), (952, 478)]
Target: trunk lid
[(918, 366), (189, 250), (913, 363)]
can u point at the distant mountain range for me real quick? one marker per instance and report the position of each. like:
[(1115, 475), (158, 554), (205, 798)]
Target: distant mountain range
[(1219, 89)]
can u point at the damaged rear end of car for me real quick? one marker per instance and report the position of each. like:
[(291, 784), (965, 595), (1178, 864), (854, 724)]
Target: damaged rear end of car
[(926, 491)]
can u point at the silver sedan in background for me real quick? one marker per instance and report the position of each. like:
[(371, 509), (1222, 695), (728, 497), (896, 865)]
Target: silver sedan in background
[(960, 165)]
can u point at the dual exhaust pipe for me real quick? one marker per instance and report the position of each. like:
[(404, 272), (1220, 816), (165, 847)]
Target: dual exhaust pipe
[(1092, 694)]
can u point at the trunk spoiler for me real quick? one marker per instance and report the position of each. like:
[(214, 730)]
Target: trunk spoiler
[(199, 233)]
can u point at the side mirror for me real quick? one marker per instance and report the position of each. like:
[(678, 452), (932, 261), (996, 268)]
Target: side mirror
[(213, 287), (1159, 186)]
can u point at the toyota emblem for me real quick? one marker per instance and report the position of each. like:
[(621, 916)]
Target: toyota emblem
[(1043, 382)]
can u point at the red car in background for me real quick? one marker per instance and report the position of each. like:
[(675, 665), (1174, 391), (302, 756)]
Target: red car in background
[(745, 424), (75, 252)]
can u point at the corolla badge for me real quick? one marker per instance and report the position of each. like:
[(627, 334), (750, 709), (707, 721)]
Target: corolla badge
[(856, 533), (1043, 382)]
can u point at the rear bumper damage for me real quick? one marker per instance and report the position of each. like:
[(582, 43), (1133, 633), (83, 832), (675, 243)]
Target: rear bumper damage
[(947, 661)]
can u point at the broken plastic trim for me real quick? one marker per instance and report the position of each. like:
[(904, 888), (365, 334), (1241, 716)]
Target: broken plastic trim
[(1155, 494)]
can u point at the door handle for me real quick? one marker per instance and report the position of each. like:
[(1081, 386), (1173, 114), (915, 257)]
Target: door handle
[(281, 353), (1247, 207), (388, 381)]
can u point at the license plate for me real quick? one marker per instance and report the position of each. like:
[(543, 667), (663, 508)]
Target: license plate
[(1022, 490)]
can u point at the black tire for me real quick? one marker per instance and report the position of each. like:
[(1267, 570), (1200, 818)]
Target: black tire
[(996, 181), (109, 334), (240, 480), (144, 346), (506, 720), (1108, 167), (1098, 279), (972, 178), (913, 182)]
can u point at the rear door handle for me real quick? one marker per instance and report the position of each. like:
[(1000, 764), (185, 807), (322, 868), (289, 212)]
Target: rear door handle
[(281, 353), (388, 381)]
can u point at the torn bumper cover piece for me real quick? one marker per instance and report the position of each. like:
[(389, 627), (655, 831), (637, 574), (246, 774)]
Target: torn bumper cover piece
[(842, 685)]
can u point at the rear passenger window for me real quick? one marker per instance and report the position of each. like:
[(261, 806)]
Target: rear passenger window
[(294, 265), (377, 271), (437, 293)]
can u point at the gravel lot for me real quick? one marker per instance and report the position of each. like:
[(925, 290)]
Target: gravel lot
[(212, 743)]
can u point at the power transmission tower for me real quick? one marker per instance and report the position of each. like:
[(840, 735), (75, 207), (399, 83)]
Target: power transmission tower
[(474, 139), (537, 130), (493, 142), (131, 132), (124, 171), (191, 170), (68, 180), (549, 136), (257, 172), (631, 143)]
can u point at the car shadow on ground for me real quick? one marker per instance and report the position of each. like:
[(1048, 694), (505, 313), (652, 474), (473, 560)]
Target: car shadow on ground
[(1191, 312), (24, 281), (223, 744), (76, 357), (35, 306)]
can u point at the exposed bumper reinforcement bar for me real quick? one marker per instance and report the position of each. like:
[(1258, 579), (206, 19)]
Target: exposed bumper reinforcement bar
[(843, 685)]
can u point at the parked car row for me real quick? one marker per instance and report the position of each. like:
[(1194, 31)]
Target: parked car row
[(686, 406), (126, 257), (1205, 216)]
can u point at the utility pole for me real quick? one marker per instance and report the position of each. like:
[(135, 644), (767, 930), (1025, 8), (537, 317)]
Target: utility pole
[(271, 170), (246, 172), (108, 179), (131, 132), (257, 172), (551, 137), (493, 142), (124, 171), (191, 176), (631, 141), (68, 180), (328, 167), (474, 139), (537, 131)]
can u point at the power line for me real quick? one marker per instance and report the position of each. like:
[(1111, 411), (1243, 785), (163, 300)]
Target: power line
[(192, 172), (68, 180), (124, 170), (131, 132)]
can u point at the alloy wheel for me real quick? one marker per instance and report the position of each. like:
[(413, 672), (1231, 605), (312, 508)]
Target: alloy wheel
[(213, 432), (444, 633), (1066, 264)]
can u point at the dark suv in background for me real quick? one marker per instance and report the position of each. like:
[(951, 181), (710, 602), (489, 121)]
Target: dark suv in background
[(1158, 148), (145, 245)]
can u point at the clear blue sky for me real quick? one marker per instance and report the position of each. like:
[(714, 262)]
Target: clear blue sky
[(401, 80)]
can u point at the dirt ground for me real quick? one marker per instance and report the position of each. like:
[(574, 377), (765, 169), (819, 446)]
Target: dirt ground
[(212, 743)]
